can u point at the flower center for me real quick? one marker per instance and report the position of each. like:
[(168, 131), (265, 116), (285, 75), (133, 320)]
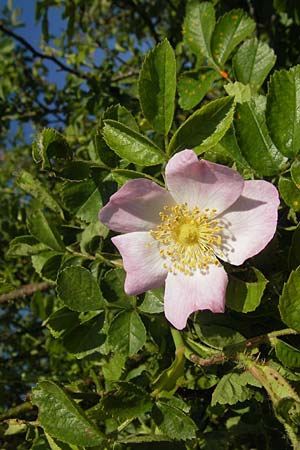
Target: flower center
[(188, 238)]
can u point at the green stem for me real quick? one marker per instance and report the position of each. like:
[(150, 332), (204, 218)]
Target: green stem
[(177, 339)]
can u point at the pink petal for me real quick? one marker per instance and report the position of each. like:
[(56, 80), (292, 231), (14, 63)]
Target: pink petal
[(185, 294), (202, 183), (136, 206), (142, 262), (251, 222)]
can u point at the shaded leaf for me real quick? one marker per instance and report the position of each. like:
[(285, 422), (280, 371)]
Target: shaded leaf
[(35, 188), (232, 388), (174, 422), (82, 199), (127, 333), (289, 305), (79, 290), (289, 193), (193, 86), (243, 296), (62, 418), (48, 144), (288, 355), (44, 231)]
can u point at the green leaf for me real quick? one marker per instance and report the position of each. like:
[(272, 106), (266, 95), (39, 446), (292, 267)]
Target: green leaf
[(174, 422), (62, 418), (288, 355), (283, 106), (35, 188), (252, 62), (44, 231), (206, 126), (198, 27), (79, 290), (295, 173), (231, 29), (254, 140), (82, 199), (85, 339), (113, 289), (157, 87), (153, 302), (232, 388), (243, 296), (127, 333), (127, 401), (240, 91), (120, 114), (229, 146), (131, 145), (194, 85), (294, 253), (289, 305), (62, 322), (91, 237), (289, 193), (75, 170), (25, 246), (48, 144), (47, 264)]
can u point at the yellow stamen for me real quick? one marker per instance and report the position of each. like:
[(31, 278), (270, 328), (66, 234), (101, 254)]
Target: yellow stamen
[(188, 238)]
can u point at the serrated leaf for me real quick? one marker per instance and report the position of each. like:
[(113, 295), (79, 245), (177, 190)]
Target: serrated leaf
[(113, 289), (131, 145), (120, 114), (244, 296), (47, 264), (82, 199), (231, 389), (127, 333), (289, 305), (254, 140), (62, 321), (230, 147), (198, 27), (153, 302), (230, 30), (288, 355), (283, 110), (252, 62), (127, 401), (157, 87), (205, 127), (25, 246), (194, 85), (44, 231), (35, 188), (290, 193), (62, 418), (240, 91), (173, 422), (79, 290), (85, 339), (48, 144), (91, 236)]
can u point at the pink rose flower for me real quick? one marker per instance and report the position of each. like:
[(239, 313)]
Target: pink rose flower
[(177, 236)]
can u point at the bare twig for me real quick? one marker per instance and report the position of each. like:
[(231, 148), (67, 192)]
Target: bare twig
[(23, 291), (41, 55)]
